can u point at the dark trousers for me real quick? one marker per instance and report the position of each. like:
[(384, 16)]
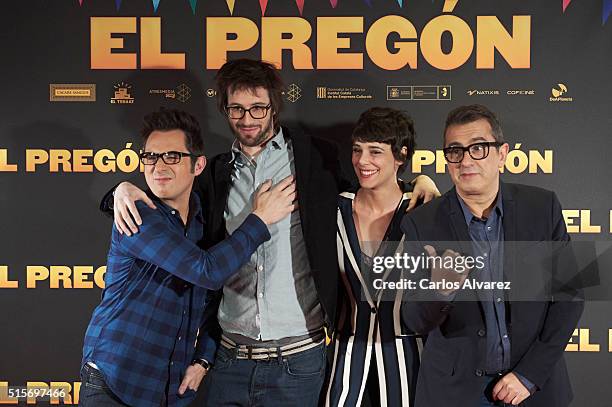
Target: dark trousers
[(293, 380), (94, 391)]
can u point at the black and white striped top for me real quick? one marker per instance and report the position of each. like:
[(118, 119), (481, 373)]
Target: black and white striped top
[(370, 323)]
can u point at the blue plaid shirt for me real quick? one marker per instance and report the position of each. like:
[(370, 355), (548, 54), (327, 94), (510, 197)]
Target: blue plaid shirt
[(142, 336)]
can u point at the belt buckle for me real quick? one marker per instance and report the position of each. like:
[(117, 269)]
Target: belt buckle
[(250, 355), (267, 355)]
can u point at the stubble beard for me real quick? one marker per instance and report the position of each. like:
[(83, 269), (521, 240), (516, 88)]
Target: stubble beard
[(263, 136)]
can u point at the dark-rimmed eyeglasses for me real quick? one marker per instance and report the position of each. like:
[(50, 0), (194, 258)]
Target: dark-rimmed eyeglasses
[(238, 112), (169, 157), (478, 151)]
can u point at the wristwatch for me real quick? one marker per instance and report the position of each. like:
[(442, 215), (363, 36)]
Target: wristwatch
[(202, 362)]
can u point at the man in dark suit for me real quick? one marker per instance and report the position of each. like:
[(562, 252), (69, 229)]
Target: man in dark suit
[(488, 348), (269, 319)]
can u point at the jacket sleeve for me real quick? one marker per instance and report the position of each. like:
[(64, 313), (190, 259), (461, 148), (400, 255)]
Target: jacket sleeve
[(562, 316), (106, 204)]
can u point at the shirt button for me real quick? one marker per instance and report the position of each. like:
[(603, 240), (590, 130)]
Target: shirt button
[(171, 363), (179, 338), (260, 295), (260, 268), (479, 372), (481, 332), (184, 312), (488, 227), (505, 336), (486, 254), (498, 299), (173, 212)]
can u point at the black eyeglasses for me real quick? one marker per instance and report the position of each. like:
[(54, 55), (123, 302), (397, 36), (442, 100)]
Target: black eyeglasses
[(238, 112), (169, 157), (478, 151)]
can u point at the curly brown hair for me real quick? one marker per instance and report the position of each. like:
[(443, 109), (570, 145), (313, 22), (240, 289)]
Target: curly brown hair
[(248, 74)]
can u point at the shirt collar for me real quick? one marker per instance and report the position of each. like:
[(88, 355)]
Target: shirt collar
[(195, 206), (468, 215)]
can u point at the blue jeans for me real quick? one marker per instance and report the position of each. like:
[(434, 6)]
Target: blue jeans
[(94, 391), (294, 380)]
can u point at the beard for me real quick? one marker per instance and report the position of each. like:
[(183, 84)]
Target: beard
[(259, 138)]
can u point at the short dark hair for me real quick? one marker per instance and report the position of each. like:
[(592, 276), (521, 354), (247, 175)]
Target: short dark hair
[(172, 119), (388, 126), (248, 74), (471, 113)]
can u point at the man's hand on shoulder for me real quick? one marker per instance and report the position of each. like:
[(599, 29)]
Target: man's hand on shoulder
[(423, 188), (126, 214)]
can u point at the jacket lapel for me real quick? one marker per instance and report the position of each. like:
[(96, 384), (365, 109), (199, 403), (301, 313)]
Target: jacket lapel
[(301, 159), (222, 186), (458, 225)]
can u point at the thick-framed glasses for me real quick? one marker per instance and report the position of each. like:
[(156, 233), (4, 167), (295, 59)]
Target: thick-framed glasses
[(169, 157), (478, 151), (238, 112)]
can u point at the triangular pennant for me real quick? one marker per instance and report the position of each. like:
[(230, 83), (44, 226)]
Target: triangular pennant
[(401, 3), (300, 4), (334, 3), (193, 5), (449, 6), (263, 4), (155, 5), (230, 5), (565, 4), (118, 4), (607, 10)]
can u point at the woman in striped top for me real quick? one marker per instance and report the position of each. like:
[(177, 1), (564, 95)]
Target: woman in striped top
[(375, 361)]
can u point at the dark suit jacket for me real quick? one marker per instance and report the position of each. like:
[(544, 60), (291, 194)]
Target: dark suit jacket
[(318, 180), (453, 361)]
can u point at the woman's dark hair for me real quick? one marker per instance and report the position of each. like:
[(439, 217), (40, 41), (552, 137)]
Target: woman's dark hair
[(388, 126)]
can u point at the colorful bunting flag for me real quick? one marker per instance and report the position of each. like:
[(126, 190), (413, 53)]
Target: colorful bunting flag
[(565, 4), (230, 5), (263, 4), (449, 6)]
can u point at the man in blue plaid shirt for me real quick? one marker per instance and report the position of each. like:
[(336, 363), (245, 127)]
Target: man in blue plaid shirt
[(140, 347)]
